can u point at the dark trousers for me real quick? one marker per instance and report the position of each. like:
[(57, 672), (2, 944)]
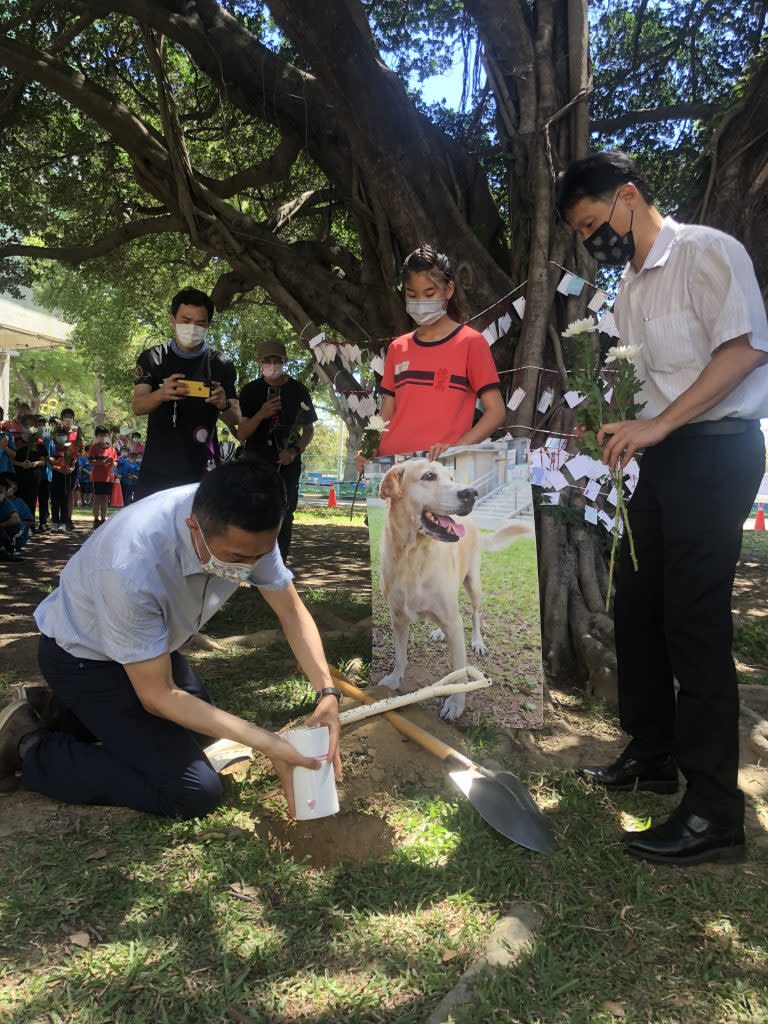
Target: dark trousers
[(290, 475), (43, 499), (60, 489), (144, 762), (673, 617), (8, 537), (27, 486)]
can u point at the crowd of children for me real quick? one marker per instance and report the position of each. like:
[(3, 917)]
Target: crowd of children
[(48, 468)]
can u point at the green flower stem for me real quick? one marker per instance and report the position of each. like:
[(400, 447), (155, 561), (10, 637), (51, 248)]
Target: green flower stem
[(614, 544), (630, 538), (354, 496)]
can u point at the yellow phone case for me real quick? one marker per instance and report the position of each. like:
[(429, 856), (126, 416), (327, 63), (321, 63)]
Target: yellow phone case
[(196, 389)]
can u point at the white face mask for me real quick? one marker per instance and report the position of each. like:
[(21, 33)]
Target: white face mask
[(233, 572), (425, 311), (190, 335), (271, 371)]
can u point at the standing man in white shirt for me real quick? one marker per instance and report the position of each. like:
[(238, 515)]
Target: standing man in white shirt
[(133, 717), (690, 300)]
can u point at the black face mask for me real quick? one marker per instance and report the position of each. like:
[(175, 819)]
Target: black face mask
[(608, 248)]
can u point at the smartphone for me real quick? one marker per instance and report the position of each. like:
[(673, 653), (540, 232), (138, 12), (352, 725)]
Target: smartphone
[(272, 392), (196, 389)]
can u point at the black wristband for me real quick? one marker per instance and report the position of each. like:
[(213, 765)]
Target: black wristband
[(328, 691), (227, 406)]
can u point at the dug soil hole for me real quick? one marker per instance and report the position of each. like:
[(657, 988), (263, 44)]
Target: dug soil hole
[(341, 839)]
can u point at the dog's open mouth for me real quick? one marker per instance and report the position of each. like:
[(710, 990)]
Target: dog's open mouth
[(441, 527)]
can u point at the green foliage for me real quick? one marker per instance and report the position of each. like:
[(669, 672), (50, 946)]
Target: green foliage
[(654, 54)]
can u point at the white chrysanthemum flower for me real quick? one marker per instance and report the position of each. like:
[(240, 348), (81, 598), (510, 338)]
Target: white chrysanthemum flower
[(580, 327), (619, 352), (378, 424)]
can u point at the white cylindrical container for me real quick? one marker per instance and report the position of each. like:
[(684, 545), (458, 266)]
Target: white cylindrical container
[(314, 791)]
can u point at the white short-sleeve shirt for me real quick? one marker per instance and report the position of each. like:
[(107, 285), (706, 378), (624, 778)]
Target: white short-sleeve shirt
[(136, 588), (696, 290)]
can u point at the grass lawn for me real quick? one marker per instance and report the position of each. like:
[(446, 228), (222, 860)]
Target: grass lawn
[(186, 921)]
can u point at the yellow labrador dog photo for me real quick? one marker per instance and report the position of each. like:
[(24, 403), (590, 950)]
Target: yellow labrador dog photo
[(433, 527)]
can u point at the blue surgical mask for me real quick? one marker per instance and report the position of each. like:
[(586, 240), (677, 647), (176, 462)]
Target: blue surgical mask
[(233, 572)]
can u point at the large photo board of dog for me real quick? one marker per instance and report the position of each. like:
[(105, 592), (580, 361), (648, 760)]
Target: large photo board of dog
[(455, 583)]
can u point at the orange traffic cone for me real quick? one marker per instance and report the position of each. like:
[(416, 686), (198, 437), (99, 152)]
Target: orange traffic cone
[(331, 497), (760, 518)]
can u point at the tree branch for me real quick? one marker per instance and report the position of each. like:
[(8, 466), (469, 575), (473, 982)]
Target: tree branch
[(276, 167), (103, 246), (652, 115), (110, 113)]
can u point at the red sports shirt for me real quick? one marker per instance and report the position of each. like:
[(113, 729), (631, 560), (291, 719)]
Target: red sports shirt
[(102, 473), (435, 385)]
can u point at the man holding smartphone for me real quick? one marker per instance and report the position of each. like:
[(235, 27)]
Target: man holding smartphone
[(182, 386), (277, 426)]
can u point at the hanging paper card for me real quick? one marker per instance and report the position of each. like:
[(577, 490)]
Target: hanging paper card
[(556, 479), (545, 401), (517, 396), (578, 466), (573, 398), (590, 514), (519, 307), (538, 476), (608, 395), (318, 338), (607, 324), (565, 284), (491, 333), (597, 470), (613, 497), (539, 457), (551, 499), (377, 365), (606, 520), (505, 322), (575, 285), (353, 401), (598, 299), (592, 490)]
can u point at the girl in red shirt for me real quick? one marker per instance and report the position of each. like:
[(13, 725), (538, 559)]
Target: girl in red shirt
[(434, 375), (103, 458)]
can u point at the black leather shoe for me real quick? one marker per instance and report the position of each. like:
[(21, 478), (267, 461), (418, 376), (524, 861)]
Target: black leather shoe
[(686, 838), (16, 721), (627, 773)]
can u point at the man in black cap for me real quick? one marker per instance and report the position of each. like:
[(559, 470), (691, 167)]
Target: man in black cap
[(277, 426)]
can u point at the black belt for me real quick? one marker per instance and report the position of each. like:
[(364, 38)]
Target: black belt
[(715, 427)]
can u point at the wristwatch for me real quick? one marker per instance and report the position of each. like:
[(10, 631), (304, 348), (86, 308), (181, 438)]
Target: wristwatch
[(328, 691), (227, 406)]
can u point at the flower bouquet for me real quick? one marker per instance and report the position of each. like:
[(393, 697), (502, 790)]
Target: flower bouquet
[(369, 445), (590, 414)]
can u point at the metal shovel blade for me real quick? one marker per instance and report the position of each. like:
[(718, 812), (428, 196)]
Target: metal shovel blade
[(506, 806)]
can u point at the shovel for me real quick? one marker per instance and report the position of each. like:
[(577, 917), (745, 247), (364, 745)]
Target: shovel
[(498, 796)]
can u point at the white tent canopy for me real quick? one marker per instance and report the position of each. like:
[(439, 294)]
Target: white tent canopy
[(23, 326)]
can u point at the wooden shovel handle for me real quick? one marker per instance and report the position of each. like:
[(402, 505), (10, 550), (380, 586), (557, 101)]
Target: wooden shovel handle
[(403, 725)]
